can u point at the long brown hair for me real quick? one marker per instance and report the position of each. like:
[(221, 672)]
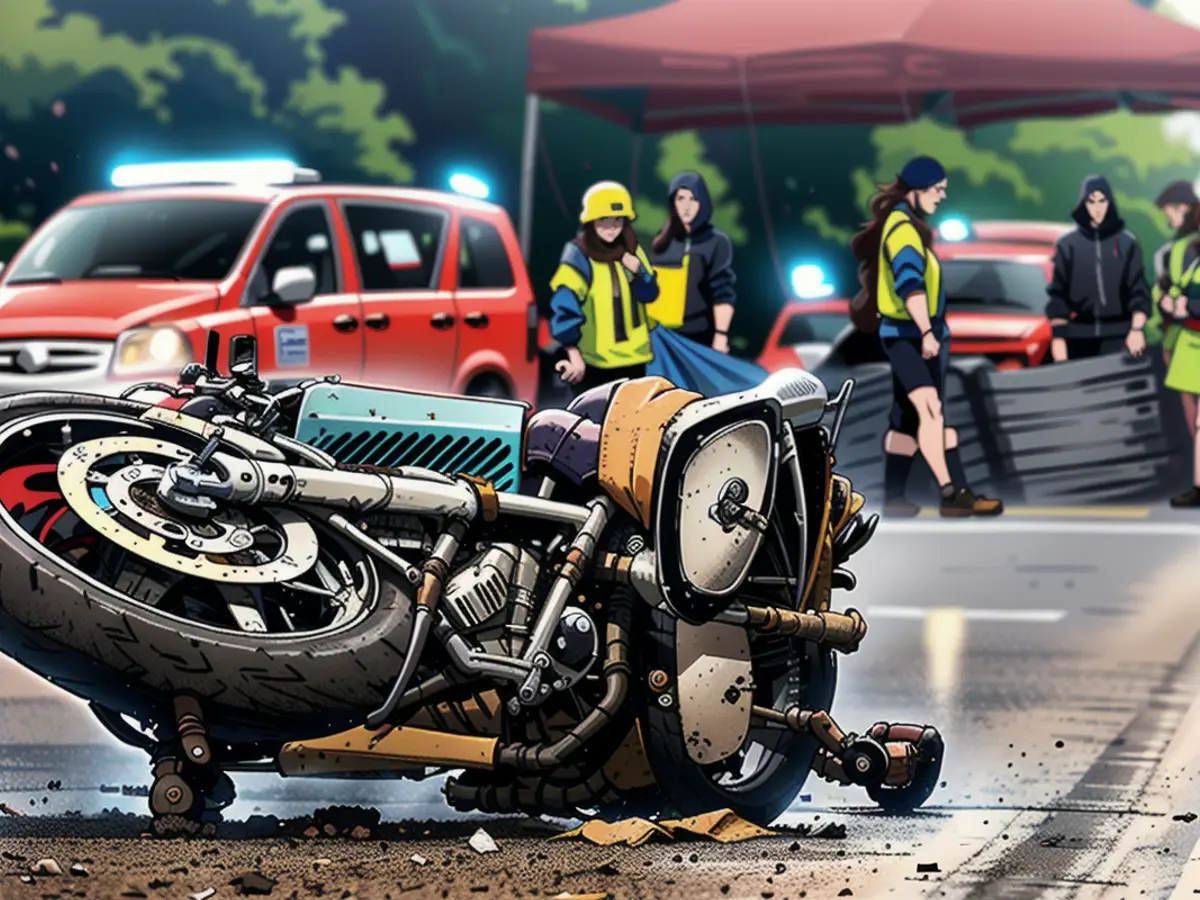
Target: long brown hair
[(601, 251), (864, 308), (1191, 221), (672, 229)]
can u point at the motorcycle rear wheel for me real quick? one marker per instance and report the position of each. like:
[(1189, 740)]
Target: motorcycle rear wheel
[(770, 769), (99, 643), (762, 779)]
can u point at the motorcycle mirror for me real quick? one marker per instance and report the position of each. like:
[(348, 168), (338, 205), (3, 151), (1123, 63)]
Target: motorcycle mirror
[(243, 356), (212, 352)]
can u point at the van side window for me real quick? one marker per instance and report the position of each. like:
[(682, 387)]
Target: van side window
[(482, 258), (304, 238), (397, 247)]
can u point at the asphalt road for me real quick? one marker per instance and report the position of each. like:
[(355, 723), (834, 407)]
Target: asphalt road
[(1058, 655)]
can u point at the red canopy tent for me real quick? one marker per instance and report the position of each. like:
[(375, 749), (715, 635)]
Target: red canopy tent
[(713, 63)]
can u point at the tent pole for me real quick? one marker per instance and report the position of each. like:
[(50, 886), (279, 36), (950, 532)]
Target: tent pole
[(528, 173), (759, 182), (635, 164)]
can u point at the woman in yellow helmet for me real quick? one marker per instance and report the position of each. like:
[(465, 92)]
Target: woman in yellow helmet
[(602, 282)]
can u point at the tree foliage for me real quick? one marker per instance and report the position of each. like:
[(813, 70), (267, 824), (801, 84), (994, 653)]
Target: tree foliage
[(681, 152), (47, 56)]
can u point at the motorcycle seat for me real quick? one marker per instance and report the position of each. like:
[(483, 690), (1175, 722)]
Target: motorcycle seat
[(567, 441)]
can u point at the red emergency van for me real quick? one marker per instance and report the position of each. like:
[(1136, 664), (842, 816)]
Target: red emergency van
[(380, 285)]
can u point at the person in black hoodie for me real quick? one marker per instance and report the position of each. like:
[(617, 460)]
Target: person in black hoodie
[(1099, 299), (695, 265)]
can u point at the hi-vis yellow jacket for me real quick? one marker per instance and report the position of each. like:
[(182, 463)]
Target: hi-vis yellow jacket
[(905, 267), (597, 307)]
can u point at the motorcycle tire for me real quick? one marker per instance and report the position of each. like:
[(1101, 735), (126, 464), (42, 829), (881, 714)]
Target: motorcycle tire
[(100, 644), (688, 788)]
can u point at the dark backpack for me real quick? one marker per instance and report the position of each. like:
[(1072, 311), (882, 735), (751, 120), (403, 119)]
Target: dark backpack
[(864, 310)]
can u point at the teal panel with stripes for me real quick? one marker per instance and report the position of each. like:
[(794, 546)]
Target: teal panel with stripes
[(450, 434)]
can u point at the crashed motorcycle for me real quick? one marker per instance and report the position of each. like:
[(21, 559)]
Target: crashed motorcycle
[(620, 607)]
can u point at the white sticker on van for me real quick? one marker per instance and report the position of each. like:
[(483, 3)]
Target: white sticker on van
[(291, 346)]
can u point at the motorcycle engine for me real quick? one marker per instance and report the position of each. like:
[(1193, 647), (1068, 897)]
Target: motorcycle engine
[(491, 598)]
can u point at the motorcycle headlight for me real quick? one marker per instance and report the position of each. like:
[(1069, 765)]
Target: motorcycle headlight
[(151, 351)]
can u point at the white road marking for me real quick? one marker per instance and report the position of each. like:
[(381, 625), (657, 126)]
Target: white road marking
[(972, 615), (1042, 526)]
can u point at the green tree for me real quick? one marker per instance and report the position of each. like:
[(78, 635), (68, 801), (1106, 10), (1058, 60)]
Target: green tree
[(680, 152), (12, 236), (45, 57)]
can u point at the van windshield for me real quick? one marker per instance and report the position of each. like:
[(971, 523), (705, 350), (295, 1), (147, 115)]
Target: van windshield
[(177, 239)]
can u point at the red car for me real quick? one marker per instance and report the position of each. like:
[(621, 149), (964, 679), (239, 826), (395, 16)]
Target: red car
[(995, 294), (386, 285)]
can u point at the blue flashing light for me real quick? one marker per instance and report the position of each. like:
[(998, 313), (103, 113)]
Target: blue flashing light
[(954, 230), (469, 186), (244, 171), (808, 282)]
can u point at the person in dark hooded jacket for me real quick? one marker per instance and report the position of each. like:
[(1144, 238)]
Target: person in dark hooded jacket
[(690, 320), (1099, 299), (695, 264)]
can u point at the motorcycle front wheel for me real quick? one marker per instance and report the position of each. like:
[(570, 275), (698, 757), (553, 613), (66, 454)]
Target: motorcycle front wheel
[(123, 603)]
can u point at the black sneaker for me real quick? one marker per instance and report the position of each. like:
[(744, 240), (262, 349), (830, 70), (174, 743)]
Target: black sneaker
[(963, 504), (1187, 500)]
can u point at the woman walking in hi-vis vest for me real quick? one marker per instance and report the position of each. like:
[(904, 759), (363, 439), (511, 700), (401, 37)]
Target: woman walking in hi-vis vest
[(600, 288), (904, 301)]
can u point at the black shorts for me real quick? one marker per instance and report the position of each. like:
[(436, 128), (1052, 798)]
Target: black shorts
[(911, 371)]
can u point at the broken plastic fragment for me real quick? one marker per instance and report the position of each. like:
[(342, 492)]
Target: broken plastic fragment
[(482, 842)]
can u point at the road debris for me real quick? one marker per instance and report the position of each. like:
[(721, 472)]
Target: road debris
[(1188, 817), (634, 832), (27, 879), (928, 867), (253, 883), (323, 861), (724, 826), (568, 896), (202, 895), (11, 810), (482, 842), (418, 859), (47, 866), (830, 831), (78, 870)]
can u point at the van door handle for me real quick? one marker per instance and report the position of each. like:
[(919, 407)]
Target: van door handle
[(442, 321), (476, 320), (345, 323), (378, 321)]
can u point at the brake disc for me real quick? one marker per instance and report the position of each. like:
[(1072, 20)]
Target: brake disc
[(122, 505)]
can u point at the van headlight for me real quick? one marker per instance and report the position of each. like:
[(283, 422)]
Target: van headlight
[(151, 351)]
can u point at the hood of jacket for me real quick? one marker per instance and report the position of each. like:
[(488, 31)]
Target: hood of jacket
[(1112, 224), (694, 182)]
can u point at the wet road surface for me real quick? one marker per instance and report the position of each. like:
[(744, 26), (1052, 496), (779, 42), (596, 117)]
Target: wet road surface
[(1058, 656)]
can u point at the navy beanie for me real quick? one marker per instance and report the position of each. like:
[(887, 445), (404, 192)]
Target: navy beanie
[(922, 173)]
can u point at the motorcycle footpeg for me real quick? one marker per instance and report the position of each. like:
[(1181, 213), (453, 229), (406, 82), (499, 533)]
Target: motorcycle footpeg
[(865, 761)]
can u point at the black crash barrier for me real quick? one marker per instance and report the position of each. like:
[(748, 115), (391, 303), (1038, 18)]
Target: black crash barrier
[(1090, 431), (1085, 432)]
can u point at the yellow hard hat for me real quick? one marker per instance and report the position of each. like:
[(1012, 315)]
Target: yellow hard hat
[(607, 198)]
